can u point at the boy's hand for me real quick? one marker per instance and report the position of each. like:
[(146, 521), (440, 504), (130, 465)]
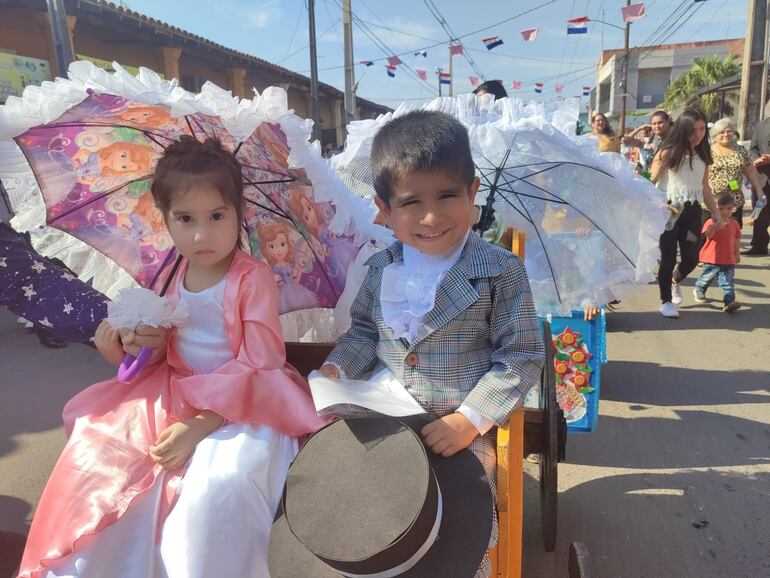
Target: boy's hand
[(590, 312), (330, 371), (177, 442), (143, 336), (107, 342), (737, 258), (450, 434)]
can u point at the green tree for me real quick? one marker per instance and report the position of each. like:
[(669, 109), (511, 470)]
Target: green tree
[(704, 72)]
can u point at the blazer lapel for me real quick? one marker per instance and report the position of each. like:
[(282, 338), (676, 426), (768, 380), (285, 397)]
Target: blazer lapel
[(456, 292)]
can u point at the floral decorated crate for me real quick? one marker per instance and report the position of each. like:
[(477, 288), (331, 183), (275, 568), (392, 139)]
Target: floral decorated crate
[(580, 352)]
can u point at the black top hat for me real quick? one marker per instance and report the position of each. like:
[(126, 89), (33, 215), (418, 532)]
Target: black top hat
[(363, 498)]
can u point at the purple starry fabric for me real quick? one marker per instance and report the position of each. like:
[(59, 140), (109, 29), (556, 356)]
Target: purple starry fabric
[(46, 293)]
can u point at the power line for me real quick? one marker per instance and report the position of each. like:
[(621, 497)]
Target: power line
[(452, 36)]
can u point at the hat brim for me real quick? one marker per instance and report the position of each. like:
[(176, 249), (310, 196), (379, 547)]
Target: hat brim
[(466, 526)]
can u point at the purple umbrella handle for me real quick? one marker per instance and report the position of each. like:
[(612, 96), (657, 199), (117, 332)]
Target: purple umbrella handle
[(132, 366)]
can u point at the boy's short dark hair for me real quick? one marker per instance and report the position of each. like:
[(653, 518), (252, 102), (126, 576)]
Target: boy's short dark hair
[(725, 199), (493, 87), (420, 141)]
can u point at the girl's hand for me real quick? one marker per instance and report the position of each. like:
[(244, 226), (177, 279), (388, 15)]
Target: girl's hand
[(449, 435), (107, 342), (144, 336), (177, 442)]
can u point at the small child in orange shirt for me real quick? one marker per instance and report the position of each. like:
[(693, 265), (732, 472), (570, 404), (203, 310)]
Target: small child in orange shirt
[(719, 254)]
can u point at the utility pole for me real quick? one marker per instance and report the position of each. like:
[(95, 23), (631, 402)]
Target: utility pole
[(754, 74), (60, 36), (350, 78), (438, 76), (315, 108), (451, 76), (624, 75)]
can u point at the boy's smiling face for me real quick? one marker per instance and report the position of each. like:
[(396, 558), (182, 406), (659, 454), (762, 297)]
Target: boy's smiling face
[(430, 211)]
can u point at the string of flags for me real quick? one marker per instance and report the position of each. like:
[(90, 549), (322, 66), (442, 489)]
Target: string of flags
[(529, 35), (423, 53), (421, 73), (633, 12), (456, 49), (474, 81)]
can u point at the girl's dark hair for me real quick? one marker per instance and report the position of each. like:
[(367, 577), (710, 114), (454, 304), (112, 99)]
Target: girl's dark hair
[(663, 114), (607, 127), (188, 162), (677, 143)]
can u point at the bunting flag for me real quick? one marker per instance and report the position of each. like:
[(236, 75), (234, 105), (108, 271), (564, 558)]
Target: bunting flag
[(492, 42), (474, 81), (367, 63), (577, 25), (529, 35), (444, 78), (633, 12), (391, 71), (394, 61), (586, 91), (422, 73), (455, 49), (423, 53), (516, 85), (559, 88), (539, 87)]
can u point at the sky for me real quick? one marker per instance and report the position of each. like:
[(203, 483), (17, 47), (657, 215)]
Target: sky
[(277, 31)]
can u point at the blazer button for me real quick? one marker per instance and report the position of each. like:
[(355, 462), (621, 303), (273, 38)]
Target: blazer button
[(412, 359)]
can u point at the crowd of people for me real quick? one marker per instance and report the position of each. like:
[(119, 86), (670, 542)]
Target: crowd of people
[(703, 170)]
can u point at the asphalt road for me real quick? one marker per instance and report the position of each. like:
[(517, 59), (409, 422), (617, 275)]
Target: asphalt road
[(674, 483)]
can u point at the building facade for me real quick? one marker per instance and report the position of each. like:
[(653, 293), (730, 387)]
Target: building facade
[(650, 71), (104, 32)]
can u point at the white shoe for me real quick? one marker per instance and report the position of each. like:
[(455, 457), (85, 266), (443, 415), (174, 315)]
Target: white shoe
[(676, 294), (669, 310)]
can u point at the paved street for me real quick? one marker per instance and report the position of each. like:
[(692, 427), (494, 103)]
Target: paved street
[(675, 482)]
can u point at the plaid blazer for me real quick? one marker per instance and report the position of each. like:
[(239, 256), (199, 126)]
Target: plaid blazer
[(480, 345)]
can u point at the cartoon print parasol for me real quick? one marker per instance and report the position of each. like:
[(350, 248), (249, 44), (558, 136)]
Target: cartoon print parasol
[(94, 164)]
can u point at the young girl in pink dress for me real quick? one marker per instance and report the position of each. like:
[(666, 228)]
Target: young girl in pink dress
[(179, 474)]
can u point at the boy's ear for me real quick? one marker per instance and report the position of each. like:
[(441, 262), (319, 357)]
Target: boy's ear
[(473, 189), (382, 205)]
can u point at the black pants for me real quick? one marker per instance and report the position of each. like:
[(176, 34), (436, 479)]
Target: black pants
[(760, 238), (685, 235)]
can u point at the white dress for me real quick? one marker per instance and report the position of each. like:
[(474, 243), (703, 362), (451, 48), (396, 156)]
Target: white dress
[(220, 524)]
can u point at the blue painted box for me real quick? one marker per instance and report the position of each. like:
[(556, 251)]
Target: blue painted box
[(581, 350)]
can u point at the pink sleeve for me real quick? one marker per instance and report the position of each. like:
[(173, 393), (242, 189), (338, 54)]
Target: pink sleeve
[(257, 386)]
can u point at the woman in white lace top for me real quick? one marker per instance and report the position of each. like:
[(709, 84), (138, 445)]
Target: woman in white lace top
[(681, 169)]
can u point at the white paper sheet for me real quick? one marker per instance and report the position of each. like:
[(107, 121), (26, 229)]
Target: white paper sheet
[(382, 393)]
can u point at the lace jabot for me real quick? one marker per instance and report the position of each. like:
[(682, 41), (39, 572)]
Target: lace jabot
[(408, 289)]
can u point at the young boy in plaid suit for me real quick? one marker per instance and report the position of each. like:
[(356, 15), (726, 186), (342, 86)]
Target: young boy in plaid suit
[(449, 314)]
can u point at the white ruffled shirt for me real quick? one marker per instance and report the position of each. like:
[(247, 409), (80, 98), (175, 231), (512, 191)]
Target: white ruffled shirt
[(408, 294)]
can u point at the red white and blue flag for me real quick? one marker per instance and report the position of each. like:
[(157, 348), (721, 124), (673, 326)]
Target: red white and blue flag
[(444, 78), (391, 71), (586, 91), (529, 35), (539, 87), (492, 42), (577, 25)]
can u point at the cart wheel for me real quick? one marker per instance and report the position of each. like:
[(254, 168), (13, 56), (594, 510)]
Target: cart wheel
[(579, 562), (554, 424)]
